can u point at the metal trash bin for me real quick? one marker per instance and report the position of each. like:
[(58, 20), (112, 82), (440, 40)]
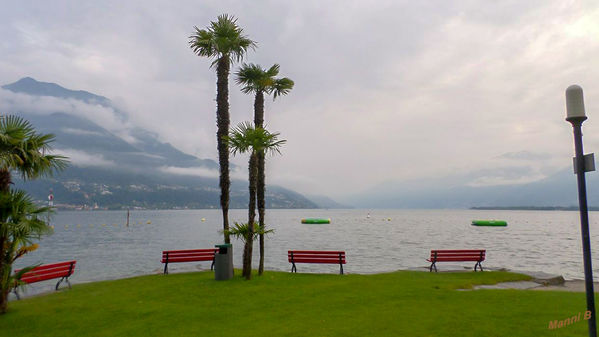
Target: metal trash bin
[(223, 262)]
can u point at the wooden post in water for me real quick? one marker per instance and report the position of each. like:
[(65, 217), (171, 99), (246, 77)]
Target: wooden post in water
[(127, 217)]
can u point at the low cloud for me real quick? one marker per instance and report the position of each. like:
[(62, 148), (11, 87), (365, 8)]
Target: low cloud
[(509, 175), (201, 172), (84, 159), (106, 117), (499, 180), (190, 171), (81, 132)]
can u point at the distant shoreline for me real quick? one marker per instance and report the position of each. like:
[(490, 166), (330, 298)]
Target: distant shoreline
[(532, 208)]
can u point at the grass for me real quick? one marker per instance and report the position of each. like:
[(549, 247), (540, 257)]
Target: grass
[(283, 304)]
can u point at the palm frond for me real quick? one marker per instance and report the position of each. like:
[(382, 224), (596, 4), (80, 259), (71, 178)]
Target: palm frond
[(282, 86), (246, 138), (242, 231), (25, 151), (269, 142), (239, 138), (202, 43), (21, 222), (222, 39), (249, 76), (253, 78), (273, 71)]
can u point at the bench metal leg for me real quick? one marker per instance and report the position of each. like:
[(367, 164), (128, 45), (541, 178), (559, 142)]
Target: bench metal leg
[(16, 293), (478, 265), (58, 283), (66, 279), (212, 265), (340, 269), (166, 268), (433, 265), (293, 268)]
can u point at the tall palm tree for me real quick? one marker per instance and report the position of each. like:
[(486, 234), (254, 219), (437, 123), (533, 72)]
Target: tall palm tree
[(224, 42), (243, 139), (258, 81), (21, 221), (25, 152)]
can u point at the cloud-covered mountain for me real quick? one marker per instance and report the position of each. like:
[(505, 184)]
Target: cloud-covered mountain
[(558, 189), (115, 163)]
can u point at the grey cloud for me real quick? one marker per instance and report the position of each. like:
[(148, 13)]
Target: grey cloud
[(84, 159), (81, 132), (106, 117), (525, 155), (390, 90)]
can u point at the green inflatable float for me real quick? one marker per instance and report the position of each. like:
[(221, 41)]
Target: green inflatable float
[(490, 223), (316, 221)]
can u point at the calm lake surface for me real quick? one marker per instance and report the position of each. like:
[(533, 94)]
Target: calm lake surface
[(389, 240)]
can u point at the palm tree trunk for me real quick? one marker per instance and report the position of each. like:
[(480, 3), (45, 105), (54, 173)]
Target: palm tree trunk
[(261, 207), (5, 286), (259, 110), (5, 180), (5, 269), (222, 122), (259, 123), (249, 242)]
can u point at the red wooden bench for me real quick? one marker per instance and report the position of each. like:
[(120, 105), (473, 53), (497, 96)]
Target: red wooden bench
[(477, 255), (316, 256), (189, 255), (60, 270)]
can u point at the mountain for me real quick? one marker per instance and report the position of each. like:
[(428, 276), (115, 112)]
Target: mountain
[(116, 164), (32, 87), (559, 189), (325, 202)]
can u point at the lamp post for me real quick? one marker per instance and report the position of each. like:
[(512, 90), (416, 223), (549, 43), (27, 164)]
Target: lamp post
[(576, 116)]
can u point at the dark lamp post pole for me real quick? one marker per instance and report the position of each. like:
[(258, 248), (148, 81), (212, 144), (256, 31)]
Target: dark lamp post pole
[(576, 116)]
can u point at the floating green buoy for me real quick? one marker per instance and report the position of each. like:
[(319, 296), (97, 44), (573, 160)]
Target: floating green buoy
[(316, 221), (491, 223)]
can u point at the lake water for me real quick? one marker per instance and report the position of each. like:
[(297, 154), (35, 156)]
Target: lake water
[(389, 240)]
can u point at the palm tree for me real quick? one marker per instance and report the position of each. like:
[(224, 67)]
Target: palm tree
[(242, 231), (224, 42), (256, 80), (24, 151), (21, 221), (246, 138)]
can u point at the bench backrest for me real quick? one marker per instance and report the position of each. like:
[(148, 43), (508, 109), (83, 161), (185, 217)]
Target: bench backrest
[(458, 255), (49, 271), (316, 256), (188, 255)]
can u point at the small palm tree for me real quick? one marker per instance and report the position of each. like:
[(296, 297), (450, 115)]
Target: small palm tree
[(224, 42), (21, 221), (243, 139), (258, 81), (242, 231), (24, 151)]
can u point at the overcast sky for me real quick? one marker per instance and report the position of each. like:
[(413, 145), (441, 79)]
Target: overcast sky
[(385, 91)]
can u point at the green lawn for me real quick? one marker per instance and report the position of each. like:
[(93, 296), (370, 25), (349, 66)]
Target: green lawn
[(283, 304)]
